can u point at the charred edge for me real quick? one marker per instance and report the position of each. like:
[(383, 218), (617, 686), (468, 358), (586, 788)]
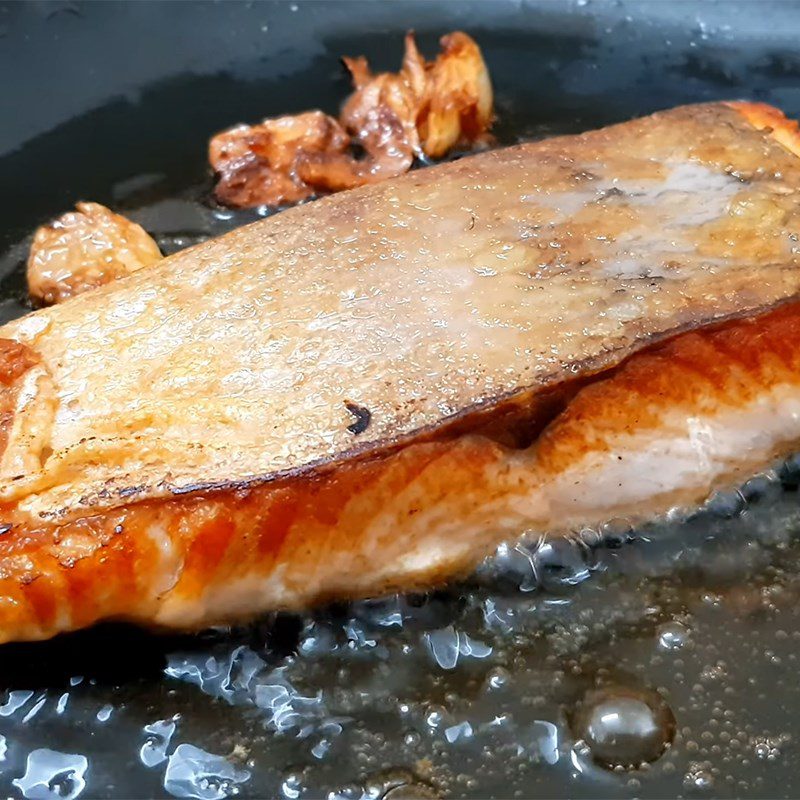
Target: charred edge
[(363, 417)]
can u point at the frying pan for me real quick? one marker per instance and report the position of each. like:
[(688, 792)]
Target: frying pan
[(508, 685)]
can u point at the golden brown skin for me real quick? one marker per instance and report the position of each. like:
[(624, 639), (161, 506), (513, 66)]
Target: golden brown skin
[(426, 108), (83, 249), (180, 447)]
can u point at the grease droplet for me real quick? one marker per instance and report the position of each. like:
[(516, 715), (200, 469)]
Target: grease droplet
[(672, 636), (624, 727)]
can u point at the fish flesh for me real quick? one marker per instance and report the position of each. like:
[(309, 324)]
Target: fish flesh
[(371, 392)]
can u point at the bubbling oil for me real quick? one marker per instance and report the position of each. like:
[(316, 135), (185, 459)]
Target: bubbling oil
[(623, 727)]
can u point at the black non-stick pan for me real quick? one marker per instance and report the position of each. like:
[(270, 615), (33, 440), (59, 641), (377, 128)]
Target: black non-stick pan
[(671, 651)]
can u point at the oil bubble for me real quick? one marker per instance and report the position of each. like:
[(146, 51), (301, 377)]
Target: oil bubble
[(350, 792), (446, 645), (726, 505), (616, 532), (698, 779), (497, 678), (672, 635), (560, 564), (435, 717), (292, 784), (624, 727)]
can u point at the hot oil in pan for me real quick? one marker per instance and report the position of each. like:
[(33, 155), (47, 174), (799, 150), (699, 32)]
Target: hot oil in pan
[(656, 662)]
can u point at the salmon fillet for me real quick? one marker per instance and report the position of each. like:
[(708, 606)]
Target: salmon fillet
[(371, 392)]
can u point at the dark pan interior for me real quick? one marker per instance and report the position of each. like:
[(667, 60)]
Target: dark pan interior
[(480, 690)]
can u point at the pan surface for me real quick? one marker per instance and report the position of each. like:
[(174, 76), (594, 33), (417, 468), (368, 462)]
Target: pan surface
[(673, 646)]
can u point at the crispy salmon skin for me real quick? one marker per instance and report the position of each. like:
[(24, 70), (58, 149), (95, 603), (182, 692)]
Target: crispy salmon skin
[(371, 392)]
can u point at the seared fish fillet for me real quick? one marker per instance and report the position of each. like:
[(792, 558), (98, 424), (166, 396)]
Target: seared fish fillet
[(372, 392)]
